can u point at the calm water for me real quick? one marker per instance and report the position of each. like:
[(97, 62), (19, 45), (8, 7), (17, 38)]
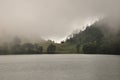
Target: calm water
[(60, 67)]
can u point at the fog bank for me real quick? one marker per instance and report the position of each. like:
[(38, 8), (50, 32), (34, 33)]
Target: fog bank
[(51, 19)]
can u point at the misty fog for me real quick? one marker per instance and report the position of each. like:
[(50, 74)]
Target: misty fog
[(51, 19)]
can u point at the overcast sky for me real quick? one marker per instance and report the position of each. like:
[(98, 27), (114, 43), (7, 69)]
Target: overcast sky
[(51, 19)]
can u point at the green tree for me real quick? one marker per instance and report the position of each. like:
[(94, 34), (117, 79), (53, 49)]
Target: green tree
[(78, 48), (90, 48), (28, 48), (38, 49), (51, 48)]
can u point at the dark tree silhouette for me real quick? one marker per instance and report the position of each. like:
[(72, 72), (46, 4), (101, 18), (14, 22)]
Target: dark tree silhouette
[(28, 48), (78, 48), (51, 49)]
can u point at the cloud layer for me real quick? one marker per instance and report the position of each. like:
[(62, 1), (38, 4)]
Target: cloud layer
[(54, 19)]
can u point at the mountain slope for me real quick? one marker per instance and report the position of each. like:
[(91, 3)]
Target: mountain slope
[(96, 39)]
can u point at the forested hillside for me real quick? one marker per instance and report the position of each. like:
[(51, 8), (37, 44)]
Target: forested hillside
[(99, 38), (96, 39)]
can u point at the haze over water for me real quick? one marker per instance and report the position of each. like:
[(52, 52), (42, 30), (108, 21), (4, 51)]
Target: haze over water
[(60, 67)]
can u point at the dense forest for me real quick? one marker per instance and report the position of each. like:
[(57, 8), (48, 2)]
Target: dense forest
[(97, 38), (16, 46)]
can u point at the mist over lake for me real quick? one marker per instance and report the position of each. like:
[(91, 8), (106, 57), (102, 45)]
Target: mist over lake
[(59, 39), (60, 67)]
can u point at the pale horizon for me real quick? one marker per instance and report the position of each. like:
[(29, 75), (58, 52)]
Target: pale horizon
[(50, 19)]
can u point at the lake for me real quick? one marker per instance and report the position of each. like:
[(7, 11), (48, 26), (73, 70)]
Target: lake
[(60, 67)]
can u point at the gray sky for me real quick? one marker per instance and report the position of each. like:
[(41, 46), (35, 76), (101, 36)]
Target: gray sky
[(53, 19)]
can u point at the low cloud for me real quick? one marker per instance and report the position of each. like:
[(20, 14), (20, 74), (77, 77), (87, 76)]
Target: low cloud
[(54, 19)]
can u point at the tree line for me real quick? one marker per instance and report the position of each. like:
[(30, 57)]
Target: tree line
[(96, 39), (16, 47)]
